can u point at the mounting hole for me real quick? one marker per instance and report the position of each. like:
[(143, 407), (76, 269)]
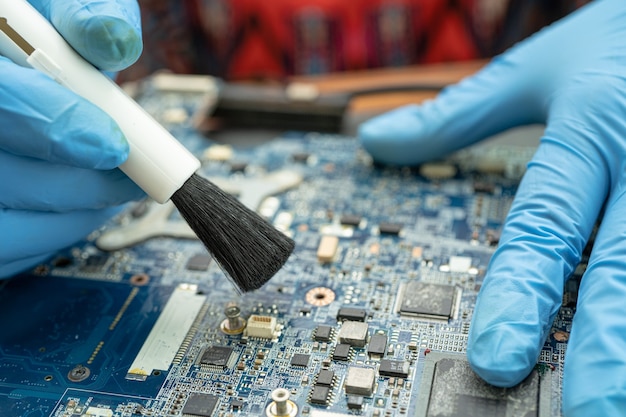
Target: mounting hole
[(320, 296), (140, 279), (48, 378), (78, 373)]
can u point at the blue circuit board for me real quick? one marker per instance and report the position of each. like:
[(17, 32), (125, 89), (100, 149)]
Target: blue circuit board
[(369, 317)]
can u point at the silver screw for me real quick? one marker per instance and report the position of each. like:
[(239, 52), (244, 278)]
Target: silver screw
[(280, 397), (233, 312)]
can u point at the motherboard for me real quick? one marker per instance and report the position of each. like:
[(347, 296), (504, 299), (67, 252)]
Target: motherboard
[(369, 317)]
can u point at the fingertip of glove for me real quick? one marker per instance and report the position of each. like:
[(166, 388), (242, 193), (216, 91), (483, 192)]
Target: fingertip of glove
[(500, 358), (112, 44), (107, 34), (394, 137)]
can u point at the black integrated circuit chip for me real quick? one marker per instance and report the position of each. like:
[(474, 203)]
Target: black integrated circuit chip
[(350, 220), (355, 402), (300, 359), (399, 369), (377, 344), (300, 156), (423, 299), (351, 313), (94, 263), (217, 356), (319, 394), (198, 262), (341, 352), (450, 388), (323, 333), (236, 404), (325, 378), (390, 228), (200, 405), (238, 166)]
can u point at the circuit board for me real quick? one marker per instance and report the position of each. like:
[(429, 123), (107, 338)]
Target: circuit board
[(369, 317)]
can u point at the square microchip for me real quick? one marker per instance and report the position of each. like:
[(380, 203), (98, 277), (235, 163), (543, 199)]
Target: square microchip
[(323, 333), (200, 405), (325, 378), (319, 394), (300, 359), (422, 299), (341, 352), (450, 388), (377, 345), (217, 356), (198, 262)]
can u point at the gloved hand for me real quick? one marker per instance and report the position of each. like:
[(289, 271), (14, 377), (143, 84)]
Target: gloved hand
[(571, 76), (58, 152)]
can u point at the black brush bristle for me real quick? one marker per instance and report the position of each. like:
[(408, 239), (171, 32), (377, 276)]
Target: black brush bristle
[(246, 246)]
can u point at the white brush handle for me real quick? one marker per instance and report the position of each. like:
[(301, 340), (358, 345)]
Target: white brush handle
[(157, 162)]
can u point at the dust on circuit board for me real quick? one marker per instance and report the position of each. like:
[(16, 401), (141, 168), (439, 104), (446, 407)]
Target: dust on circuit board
[(369, 317)]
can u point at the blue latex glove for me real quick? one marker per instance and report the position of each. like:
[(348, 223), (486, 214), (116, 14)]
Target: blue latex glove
[(571, 76), (58, 152)]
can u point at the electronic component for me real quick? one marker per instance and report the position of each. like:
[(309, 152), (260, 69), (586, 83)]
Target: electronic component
[(325, 377), (216, 356), (327, 248), (377, 345), (451, 389), (94, 263), (354, 402), (300, 156), (360, 381), (262, 327), (319, 395), (350, 220), (199, 262), (422, 299), (437, 170), (168, 332), (460, 263), (238, 166), (390, 228), (341, 352), (218, 153), (351, 313), (323, 333), (394, 368), (98, 412), (353, 333), (300, 359), (200, 405)]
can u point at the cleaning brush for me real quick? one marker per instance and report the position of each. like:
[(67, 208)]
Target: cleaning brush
[(248, 249)]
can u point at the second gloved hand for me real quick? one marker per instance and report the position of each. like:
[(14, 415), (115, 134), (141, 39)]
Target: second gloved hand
[(572, 77), (59, 153)]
